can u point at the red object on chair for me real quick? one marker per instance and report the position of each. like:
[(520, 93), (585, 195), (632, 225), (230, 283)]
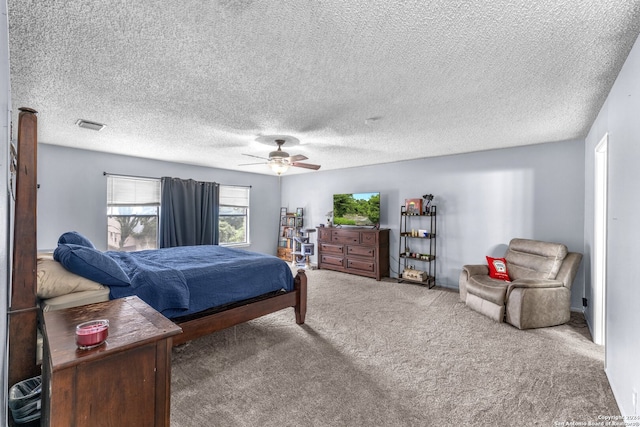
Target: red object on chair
[(498, 269)]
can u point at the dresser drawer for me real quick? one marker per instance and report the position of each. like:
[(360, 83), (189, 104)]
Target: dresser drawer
[(356, 264), (345, 236), (331, 249), (324, 234), (368, 238), (368, 251), (331, 260)]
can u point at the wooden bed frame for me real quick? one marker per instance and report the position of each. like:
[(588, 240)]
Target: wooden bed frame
[(23, 306)]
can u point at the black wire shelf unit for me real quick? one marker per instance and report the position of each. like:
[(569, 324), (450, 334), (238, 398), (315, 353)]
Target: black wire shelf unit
[(417, 247)]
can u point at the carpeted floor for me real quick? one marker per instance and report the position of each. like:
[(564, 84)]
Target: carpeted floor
[(387, 354)]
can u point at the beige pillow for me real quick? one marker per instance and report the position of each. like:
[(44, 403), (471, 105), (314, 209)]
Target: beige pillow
[(54, 280)]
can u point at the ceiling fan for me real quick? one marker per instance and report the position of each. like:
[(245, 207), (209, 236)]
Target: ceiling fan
[(279, 161)]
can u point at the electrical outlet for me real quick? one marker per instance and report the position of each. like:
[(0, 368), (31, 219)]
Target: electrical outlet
[(634, 401)]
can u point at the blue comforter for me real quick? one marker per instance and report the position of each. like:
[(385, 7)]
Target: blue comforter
[(188, 279)]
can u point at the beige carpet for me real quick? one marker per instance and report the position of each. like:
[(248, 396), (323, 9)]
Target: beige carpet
[(387, 354)]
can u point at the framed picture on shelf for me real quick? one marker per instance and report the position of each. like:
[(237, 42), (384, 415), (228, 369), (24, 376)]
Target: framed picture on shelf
[(283, 211), (298, 211), (413, 206)]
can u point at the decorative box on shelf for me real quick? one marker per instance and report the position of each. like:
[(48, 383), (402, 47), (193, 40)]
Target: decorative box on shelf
[(413, 274)]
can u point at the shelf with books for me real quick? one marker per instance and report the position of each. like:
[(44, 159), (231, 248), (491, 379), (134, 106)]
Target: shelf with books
[(290, 225)]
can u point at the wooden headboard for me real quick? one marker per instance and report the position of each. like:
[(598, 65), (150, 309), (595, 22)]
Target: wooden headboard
[(23, 307)]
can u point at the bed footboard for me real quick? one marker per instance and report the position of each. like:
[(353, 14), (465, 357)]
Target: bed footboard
[(198, 327)]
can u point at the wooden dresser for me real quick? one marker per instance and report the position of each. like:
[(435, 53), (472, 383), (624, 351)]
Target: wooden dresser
[(361, 251), (124, 382)]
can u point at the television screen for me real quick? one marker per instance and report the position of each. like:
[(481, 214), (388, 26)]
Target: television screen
[(358, 209)]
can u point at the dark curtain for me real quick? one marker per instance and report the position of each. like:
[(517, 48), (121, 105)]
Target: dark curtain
[(189, 213)]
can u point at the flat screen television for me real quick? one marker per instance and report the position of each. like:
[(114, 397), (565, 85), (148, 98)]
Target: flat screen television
[(356, 209)]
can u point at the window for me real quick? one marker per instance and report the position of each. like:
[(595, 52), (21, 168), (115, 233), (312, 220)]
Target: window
[(234, 215), (133, 206)]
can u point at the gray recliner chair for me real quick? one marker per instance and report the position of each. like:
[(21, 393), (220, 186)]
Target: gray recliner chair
[(539, 293)]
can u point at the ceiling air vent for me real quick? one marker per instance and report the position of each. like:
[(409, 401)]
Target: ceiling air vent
[(90, 125)]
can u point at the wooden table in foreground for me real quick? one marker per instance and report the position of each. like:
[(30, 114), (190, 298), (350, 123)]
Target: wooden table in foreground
[(124, 382)]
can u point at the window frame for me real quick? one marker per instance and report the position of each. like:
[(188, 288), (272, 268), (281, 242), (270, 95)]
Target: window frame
[(119, 198), (246, 215)]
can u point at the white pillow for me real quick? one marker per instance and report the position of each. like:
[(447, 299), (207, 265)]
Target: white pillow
[(55, 280)]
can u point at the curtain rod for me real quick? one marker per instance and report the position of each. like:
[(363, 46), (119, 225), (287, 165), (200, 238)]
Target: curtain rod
[(129, 176), (104, 173)]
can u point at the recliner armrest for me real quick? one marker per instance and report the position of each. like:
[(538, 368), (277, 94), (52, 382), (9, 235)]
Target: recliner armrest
[(475, 270), (466, 273), (536, 283), (533, 284)]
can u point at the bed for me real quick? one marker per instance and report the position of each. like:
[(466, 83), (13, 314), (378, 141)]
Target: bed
[(253, 285)]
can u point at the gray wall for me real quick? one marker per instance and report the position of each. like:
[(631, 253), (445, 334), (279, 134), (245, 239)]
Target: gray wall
[(484, 199), (4, 203), (73, 193), (619, 118)]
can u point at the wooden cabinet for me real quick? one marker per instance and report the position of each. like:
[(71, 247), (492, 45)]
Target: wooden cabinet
[(124, 382), (364, 252)]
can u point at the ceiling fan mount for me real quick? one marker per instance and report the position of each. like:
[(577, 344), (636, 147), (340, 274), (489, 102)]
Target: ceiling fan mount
[(279, 161), (278, 154)]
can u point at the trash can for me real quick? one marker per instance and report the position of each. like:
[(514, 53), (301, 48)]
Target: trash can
[(25, 400)]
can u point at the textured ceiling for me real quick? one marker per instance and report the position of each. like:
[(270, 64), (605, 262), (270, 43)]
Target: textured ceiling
[(356, 82)]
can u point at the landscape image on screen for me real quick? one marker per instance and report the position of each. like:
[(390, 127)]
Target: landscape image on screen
[(358, 209)]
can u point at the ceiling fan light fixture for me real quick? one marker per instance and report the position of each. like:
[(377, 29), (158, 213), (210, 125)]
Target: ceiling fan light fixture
[(278, 154), (279, 166), (279, 161)]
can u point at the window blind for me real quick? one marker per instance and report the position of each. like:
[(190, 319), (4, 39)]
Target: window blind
[(234, 196), (132, 191)]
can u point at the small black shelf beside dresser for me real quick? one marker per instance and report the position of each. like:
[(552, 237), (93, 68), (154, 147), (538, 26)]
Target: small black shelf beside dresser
[(417, 249)]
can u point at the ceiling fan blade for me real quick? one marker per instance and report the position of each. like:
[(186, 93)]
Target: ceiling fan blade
[(305, 165), (297, 157), (257, 157), (248, 164)]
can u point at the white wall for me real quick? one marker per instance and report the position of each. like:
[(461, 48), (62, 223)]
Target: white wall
[(73, 193), (484, 199), (619, 118)]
